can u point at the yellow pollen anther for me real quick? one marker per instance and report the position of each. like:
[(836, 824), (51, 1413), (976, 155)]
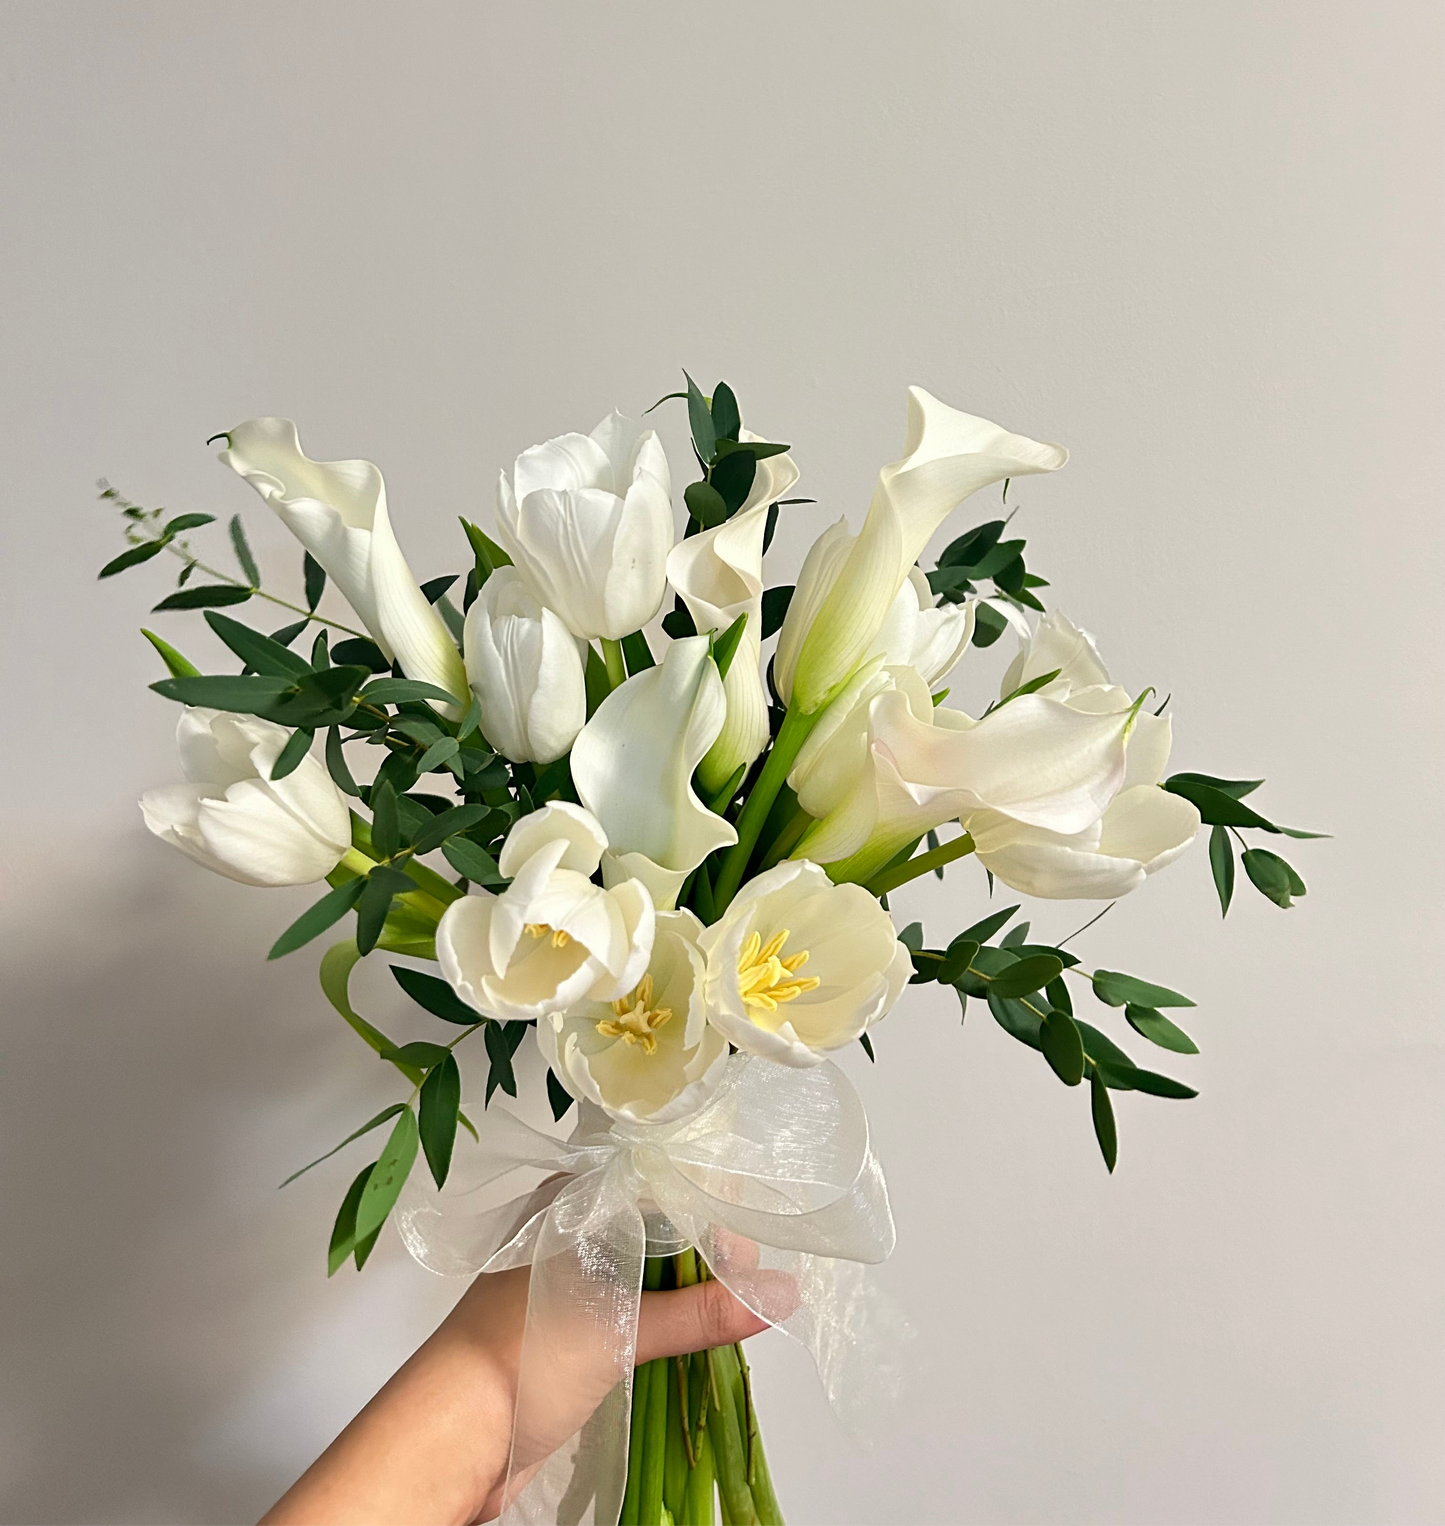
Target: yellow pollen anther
[(637, 1019), (541, 929), (763, 981)]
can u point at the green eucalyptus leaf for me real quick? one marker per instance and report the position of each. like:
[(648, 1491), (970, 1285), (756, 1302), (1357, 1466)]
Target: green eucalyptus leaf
[(242, 549), (1157, 1028), (257, 651), (982, 931), (959, 955), (318, 917), (988, 625), (439, 754), (243, 692), (359, 651), (1221, 866), (1103, 1114), (1272, 876), (501, 1040), (419, 1053), (678, 622), (637, 654), (343, 1233), (288, 633), (706, 505), (1063, 1047), (1236, 789), (1027, 976), (472, 862), (205, 596), (183, 522), (314, 576), (434, 588), (381, 886), (973, 545), (732, 479), (726, 420), (436, 996), (459, 818), (395, 691), (288, 760), (775, 609), (1017, 1020), (1016, 936), (441, 1100), (321, 698), (336, 764), (385, 824), (699, 417), (912, 936), (382, 1117), (558, 1096), (388, 1177), (133, 557), (1118, 990)]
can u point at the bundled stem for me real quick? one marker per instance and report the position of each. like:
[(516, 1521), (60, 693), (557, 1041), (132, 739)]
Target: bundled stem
[(695, 1441)]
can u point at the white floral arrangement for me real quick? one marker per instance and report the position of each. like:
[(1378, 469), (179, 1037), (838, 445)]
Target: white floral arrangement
[(663, 855)]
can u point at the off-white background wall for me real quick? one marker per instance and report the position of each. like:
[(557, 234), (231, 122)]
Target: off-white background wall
[(1199, 243)]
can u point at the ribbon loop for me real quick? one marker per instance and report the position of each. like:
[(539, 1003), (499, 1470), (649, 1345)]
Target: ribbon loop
[(774, 1182)]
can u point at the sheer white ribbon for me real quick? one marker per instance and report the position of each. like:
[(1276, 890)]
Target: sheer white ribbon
[(775, 1184)]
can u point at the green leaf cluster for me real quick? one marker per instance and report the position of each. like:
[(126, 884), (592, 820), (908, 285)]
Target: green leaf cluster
[(981, 555)]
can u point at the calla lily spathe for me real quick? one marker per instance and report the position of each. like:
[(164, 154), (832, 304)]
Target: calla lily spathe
[(1142, 829), (633, 764), (719, 576), (587, 520), (234, 818), (337, 510), (923, 636), (525, 668), (798, 966), (1034, 760), (848, 582), (650, 1056), (552, 937)]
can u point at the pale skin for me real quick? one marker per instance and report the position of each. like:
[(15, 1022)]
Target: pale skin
[(432, 1446)]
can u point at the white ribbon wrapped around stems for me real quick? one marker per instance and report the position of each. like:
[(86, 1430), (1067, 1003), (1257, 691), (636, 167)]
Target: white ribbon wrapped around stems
[(775, 1184)]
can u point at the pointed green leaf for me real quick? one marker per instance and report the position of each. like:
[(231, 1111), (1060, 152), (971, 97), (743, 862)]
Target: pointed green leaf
[(1027, 976), (371, 1123), (336, 764), (1117, 990), (982, 931), (699, 417), (206, 596), (243, 552), (1016, 1019), (358, 651), (317, 918), (436, 996), (558, 1096), (1157, 1028), (706, 505), (260, 652), (726, 645), (956, 960), (388, 1177), (472, 862), (385, 824), (459, 818), (133, 557), (775, 609), (1272, 876), (419, 1053), (395, 691), (726, 420), (912, 936), (314, 576), (1063, 1047), (637, 654), (374, 902), (343, 1233), (1103, 1114), (184, 522), (1221, 865), (441, 1099), (288, 760), (180, 667), (439, 754)]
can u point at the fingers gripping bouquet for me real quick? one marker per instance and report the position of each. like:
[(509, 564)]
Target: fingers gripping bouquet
[(665, 859)]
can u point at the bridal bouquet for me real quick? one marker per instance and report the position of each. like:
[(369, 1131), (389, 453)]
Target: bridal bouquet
[(663, 855)]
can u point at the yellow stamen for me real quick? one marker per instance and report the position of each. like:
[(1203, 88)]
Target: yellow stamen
[(637, 1019), (762, 973), (541, 929)]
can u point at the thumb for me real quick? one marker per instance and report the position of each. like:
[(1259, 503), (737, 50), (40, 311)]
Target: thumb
[(692, 1319)]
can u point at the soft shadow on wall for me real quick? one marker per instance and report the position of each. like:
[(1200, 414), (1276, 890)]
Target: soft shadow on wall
[(159, 1080)]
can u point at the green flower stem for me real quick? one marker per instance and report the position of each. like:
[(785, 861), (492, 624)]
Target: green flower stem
[(641, 1407), (779, 764), (787, 838), (616, 663), (697, 1499), (357, 863), (935, 858), (723, 1427), (654, 1453)]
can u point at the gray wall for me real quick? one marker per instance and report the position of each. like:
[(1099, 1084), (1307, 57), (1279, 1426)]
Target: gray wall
[(1197, 243)]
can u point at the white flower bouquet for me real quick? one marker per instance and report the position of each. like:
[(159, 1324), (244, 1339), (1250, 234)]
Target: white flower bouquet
[(664, 856)]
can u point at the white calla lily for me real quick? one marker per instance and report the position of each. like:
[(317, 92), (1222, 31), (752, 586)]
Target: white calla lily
[(337, 510), (798, 966), (234, 818), (1034, 760), (525, 669), (719, 576), (844, 592), (633, 763), (918, 634), (1142, 829), (650, 1056), (552, 938), (587, 520)]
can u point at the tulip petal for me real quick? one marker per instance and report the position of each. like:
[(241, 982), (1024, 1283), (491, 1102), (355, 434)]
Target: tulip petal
[(557, 821)]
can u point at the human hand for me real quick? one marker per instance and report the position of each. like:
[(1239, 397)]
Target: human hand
[(432, 1446)]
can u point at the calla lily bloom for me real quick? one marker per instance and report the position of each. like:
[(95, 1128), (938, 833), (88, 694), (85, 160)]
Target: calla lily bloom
[(552, 937), (848, 582), (526, 671), (587, 519), (798, 966), (1033, 760), (234, 818), (633, 763), (1143, 827), (719, 576), (918, 634), (337, 510), (650, 1056)]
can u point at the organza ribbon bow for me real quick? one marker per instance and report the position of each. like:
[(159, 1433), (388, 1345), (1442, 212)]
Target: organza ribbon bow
[(775, 1176)]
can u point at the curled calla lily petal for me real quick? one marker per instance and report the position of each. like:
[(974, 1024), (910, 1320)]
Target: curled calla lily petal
[(1033, 760), (234, 818), (798, 966), (552, 938), (1058, 645), (948, 455), (633, 763), (337, 510), (525, 669), (587, 520), (650, 1056), (918, 634)]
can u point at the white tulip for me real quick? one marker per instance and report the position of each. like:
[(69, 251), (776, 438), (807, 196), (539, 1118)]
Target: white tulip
[(633, 763), (798, 966), (233, 818), (526, 671), (587, 519), (1143, 827), (719, 576), (337, 510), (918, 634), (649, 1056), (847, 582), (552, 938), (1034, 760)]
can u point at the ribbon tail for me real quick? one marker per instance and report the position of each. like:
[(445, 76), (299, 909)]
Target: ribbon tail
[(568, 1465)]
